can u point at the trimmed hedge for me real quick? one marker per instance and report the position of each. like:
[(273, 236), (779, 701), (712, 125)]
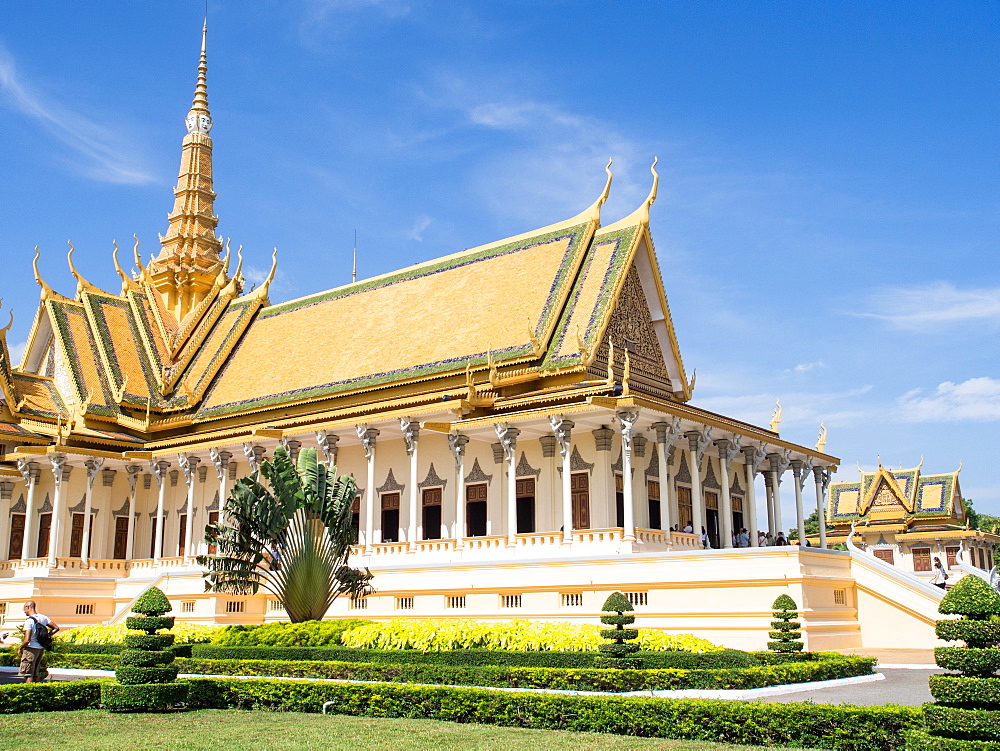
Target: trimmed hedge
[(132, 676), (843, 728), (955, 722), (965, 690), (123, 697), (307, 634), (149, 642), (726, 658), (586, 679), (968, 659), (921, 739), (978, 634), (137, 659), (149, 623), (49, 697)]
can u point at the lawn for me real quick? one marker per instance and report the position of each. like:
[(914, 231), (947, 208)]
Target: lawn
[(96, 730)]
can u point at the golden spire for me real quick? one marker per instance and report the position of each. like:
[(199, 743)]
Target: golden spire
[(185, 271)]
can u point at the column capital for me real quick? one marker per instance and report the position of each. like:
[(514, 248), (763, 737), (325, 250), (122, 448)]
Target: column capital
[(254, 453), (667, 432), (60, 467), (562, 429), (780, 462), (29, 470), (801, 470), (411, 433), (508, 440), (159, 470), (188, 465), (754, 456), (292, 446), (93, 467), (698, 442), (367, 436), (602, 438), (327, 443), (220, 459), (457, 443), (728, 449), (132, 474)]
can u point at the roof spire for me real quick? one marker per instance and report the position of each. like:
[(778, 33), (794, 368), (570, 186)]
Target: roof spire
[(185, 271)]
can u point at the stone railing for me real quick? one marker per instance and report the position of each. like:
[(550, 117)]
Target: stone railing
[(591, 536), (687, 540), (652, 536), (539, 538)]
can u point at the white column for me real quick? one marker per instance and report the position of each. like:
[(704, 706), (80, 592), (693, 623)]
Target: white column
[(508, 440), (727, 452), (58, 462), (414, 527), (367, 437), (31, 472), (221, 461), (800, 471), (666, 513), (189, 464), (132, 472), (563, 430), (753, 456), (772, 527), (822, 477), (457, 445), (779, 464), (696, 450), (93, 467), (159, 470), (628, 419)]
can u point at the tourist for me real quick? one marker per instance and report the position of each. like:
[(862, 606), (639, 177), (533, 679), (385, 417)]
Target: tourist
[(688, 528), (743, 539), (781, 539), (762, 541), (705, 542), (31, 647), (940, 575)]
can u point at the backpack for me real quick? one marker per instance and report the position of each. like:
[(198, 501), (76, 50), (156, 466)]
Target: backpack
[(42, 634)]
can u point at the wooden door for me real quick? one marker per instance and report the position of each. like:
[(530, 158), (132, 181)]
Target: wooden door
[(44, 531), (121, 537), (579, 483), (921, 559), (653, 502), (182, 536), (525, 506), (684, 510), (16, 536), (952, 555), (390, 517), (76, 537), (619, 501), (152, 537)]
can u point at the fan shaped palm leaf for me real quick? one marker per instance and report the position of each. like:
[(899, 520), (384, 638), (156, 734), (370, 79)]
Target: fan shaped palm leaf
[(291, 537)]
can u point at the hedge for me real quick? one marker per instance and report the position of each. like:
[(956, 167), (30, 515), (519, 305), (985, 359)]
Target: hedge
[(124, 697), (923, 740), (586, 679), (968, 659), (955, 722), (307, 634), (49, 697), (961, 689), (975, 633), (844, 728), (726, 658)]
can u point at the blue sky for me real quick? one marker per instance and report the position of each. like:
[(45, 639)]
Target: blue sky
[(827, 221)]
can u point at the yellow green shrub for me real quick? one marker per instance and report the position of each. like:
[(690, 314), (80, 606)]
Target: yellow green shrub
[(185, 633), (520, 636)]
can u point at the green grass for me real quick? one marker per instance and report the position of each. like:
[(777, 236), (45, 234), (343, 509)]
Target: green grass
[(96, 730)]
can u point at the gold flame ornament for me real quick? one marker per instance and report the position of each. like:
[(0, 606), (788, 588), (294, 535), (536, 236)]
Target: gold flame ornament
[(776, 417), (821, 439)]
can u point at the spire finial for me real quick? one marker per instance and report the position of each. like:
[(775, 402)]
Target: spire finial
[(199, 119)]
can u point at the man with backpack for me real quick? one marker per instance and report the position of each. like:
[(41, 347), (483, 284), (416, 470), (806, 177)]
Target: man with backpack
[(38, 632)]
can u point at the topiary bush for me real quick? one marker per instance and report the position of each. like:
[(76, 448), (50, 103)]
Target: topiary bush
[(967, 712), (615, 654), (147, 681), (786, 634)]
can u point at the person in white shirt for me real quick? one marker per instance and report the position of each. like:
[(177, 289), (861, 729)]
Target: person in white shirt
[(940, 575), (31, 648), (688, 528), (743, 539)]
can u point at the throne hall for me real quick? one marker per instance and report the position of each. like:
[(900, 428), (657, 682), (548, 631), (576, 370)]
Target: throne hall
[(517, 415)]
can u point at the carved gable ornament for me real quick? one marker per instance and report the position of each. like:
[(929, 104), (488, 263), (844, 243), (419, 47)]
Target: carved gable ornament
[(523, 469), (432, 480), (390, 485), (476, 475), (884, 496)]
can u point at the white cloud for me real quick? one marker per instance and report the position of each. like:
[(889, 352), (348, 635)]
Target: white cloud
[(256, 276), (799, 409), (805, 367), (976, 399), (102, 155), (16, 352), (935, 306), (417, 231)]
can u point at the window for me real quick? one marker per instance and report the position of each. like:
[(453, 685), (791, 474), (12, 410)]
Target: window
[(404, 603), (580, 491), (455, 603), (390, 517), (952, 554), (358, 603), (684, 511), (653, 496), (637, 598), (182, 536), (619, 501), (525, 491), (121, 538), (840, 597), (274, 606), (431, 498), (572, 600), (921, 559), (16, 536), (87, 609), (187, 606), (236, 606), (44, 529), (475, 510), (884, 554), (76, 536), (510, 601)]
